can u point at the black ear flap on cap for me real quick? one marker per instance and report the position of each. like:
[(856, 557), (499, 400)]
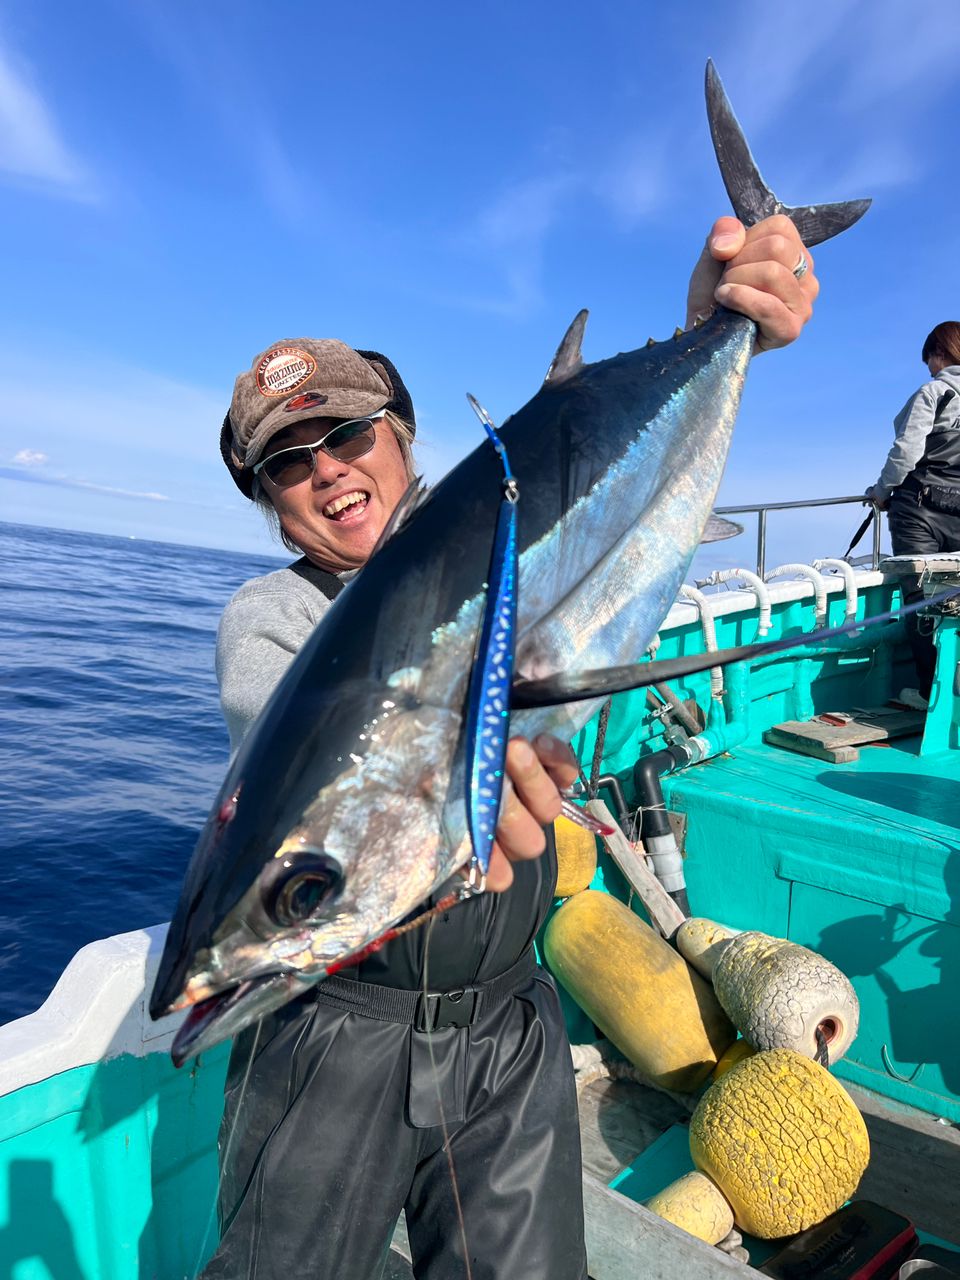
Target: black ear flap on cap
[(241, 478), (401, 404)]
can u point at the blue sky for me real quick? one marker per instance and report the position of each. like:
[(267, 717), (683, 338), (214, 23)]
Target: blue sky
[(186, 183)]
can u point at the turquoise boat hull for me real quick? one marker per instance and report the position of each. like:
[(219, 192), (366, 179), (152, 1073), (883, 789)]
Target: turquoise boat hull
[(108, 1164)]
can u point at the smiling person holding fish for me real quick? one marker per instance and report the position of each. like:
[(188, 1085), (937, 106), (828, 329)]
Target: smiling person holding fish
[(366, 1095), (396, 1045)]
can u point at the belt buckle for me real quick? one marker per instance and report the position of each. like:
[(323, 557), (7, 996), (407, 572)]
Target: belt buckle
[(437, 1010)]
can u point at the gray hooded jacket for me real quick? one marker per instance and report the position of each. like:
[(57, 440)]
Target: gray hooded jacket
[(927, 444)]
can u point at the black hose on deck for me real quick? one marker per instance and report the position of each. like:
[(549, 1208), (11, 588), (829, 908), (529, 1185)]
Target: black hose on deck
[(647, 773), (612, 783)]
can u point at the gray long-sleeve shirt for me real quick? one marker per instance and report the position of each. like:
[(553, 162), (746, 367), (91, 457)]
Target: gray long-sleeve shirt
[(927, 410), (262, 628)]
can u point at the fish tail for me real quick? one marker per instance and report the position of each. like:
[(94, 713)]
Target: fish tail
[(750, 196)]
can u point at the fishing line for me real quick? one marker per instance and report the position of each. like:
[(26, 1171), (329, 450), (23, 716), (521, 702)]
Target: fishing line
[(447, 1149), (222, 1164), (445, 904)]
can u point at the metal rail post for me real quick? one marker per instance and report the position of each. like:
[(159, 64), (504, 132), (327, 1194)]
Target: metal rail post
[(760, 510)]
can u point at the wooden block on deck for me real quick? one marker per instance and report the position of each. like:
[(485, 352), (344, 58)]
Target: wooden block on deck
[(836, 736), (782, 736)]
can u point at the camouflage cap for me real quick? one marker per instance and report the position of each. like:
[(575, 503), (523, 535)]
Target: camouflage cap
[(301, 378)]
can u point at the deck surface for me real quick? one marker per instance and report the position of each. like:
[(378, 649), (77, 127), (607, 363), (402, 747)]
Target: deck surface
[(891, 786), (914, 1165)]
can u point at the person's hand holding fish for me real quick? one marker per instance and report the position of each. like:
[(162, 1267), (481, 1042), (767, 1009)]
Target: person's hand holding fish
[(763, 271), (536, 773)]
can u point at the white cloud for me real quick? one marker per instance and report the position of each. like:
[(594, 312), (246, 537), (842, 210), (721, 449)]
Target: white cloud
[(29, 458), (109, 489), (522, 213), (774, 52), (31, 146), (113, 404), (880, 163), (879, 63), (638, 181), (70, 482)]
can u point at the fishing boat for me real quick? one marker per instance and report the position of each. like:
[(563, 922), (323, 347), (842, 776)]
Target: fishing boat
[(820, 809)]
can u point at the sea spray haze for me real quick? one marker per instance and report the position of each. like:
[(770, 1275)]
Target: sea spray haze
[(344, 808)]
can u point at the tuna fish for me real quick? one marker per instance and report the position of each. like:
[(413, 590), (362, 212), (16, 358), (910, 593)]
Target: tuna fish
[(345, 807)]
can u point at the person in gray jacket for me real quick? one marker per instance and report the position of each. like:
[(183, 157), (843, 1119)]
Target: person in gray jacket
[(372, 1094), (919, 486)]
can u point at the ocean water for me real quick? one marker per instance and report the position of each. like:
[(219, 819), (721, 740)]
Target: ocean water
[(112, 745)]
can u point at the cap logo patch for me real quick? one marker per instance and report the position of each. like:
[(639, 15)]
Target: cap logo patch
[(284, 369), (307, 401)]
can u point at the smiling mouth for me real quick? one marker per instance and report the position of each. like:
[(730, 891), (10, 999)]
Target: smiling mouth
[(348, 506)]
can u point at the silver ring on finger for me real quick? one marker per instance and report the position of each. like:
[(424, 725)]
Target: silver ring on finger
[(802, 267)]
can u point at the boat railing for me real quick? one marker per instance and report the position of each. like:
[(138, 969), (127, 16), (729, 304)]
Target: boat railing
[(760, 510)]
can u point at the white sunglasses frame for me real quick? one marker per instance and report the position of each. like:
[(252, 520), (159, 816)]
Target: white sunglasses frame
[(373, 419)]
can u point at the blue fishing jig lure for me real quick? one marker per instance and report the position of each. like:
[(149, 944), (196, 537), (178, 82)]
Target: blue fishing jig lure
[(488, 700)]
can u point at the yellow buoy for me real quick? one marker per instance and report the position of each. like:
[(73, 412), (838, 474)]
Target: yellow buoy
[(641, 993), (693, 1204), (779, 1145), (782, 1139), (576, 857), (736, 1053)]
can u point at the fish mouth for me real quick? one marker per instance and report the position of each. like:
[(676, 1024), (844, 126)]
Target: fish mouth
[(221, 1016), (199, 1030)]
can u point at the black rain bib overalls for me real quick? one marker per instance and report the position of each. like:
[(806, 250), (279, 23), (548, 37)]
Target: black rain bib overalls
[(339, 1125)]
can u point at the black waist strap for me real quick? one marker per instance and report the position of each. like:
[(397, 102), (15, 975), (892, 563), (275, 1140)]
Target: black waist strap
[(425, 1010)]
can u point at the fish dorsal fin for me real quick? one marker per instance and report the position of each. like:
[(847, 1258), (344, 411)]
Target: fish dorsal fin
[(568, 359), (415, 493)]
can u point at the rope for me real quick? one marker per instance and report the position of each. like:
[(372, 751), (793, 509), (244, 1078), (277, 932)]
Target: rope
[(823, 1051)]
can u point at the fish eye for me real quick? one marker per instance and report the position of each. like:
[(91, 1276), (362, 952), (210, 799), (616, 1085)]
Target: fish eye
[(299, 884)]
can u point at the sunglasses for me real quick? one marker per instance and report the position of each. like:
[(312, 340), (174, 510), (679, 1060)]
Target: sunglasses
[(346, 442)]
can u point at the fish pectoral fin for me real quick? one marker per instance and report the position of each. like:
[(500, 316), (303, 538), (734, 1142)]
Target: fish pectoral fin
[(568, 359), (582, 686), (750, 196), (717, 529)]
